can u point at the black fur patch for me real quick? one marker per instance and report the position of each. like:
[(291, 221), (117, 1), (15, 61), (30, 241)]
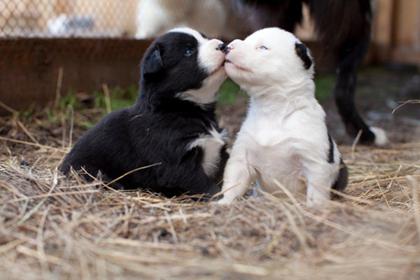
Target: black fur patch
[(157, 130), (153, 63), (266, 13), (302, 52), (340, 22), (330, 149), (342, 179)]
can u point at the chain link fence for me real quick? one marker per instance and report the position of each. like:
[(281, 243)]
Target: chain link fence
[(67, 18), (51, 48)]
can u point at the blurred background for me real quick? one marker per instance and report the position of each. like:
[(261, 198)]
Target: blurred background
[(86, 54)]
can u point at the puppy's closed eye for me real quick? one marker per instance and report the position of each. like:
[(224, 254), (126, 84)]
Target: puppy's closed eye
[(265, 48)]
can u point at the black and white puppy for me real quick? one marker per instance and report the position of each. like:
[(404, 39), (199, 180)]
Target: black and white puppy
[(172, 128), (284, 139)]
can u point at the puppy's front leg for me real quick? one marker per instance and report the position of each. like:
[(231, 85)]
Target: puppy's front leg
[(237, 177), (319, 181)]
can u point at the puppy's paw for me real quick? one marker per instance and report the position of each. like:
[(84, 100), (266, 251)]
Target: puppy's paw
[(316, 200), (380, 136), (224, 201), (315, 204)]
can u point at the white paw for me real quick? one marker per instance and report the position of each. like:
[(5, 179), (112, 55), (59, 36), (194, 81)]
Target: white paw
[(316, 204), (317, 200), (380, 136), (224, 201)]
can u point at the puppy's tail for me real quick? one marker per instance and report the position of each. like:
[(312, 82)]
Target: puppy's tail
[(342, 179), (341, 22)]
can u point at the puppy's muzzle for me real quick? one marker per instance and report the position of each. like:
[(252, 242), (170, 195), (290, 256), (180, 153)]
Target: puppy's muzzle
[(223, 48)]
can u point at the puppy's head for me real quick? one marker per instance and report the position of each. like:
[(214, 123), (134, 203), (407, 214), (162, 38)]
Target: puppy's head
[(183, 64), (268, 57)]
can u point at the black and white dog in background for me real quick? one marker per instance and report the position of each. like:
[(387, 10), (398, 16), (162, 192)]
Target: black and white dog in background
[(343, 26), (284, 138), (172, 128)]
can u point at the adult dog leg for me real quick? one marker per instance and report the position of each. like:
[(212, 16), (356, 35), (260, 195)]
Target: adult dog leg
[(344, 29), (344, 94)]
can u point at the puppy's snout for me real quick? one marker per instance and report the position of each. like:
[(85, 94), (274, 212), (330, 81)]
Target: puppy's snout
[(231, 46), (228, 49), (223, 48)]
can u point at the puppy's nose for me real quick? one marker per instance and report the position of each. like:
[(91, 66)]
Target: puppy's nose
[(223, 48), (232, 45)]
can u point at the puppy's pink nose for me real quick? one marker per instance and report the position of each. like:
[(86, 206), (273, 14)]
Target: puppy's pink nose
[(228, 49), (232, 45)]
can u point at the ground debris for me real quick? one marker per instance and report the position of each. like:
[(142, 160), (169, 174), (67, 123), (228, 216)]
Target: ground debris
[(54, 226)]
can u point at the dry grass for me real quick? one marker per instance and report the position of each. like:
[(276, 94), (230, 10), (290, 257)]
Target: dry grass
[(52, 227)]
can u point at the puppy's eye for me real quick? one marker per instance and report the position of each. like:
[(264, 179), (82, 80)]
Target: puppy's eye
[(189, 51), (263, 48)]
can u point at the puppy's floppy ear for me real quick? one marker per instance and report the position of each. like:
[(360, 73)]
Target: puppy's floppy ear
[(153, 62), (302, 52)]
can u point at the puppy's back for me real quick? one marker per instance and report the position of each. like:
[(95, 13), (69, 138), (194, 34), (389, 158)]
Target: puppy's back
[(95, 149)]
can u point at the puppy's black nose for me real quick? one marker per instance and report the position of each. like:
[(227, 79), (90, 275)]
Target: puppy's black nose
[(223, 48)]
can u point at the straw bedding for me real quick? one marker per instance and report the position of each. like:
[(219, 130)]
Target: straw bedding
[(55, 227)]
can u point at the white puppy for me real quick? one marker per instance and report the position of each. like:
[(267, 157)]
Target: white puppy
[(284, 139)]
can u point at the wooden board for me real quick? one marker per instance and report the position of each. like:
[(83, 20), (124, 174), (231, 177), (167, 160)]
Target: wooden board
[(407, 32), (29, 68)]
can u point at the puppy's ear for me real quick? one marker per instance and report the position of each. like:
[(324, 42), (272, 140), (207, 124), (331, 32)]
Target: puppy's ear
[(153, 62), (302, 52)]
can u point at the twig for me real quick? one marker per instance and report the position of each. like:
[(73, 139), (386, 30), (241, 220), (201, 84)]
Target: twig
[(59, 86), (354, 144), (9, 109), (405, 103), (26, 131), (30, 144), (71, 127), (51, 259), (133, 171), (107, 98), (54, 195)]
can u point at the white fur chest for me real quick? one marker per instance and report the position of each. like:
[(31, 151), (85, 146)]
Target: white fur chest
[(284, 127), (271, 154), (211, 144), (275, 139)]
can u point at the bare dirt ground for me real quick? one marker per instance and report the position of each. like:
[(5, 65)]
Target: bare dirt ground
[(55, 227)]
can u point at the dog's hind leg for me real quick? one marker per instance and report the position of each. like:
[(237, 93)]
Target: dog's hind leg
[(344, 93), (342, 179), (344, 28)]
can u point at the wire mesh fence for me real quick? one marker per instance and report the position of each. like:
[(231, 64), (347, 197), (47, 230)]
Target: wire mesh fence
[(67, 18)]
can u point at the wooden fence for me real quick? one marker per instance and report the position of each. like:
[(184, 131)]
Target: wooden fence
[(36, 70), (396, 35)]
